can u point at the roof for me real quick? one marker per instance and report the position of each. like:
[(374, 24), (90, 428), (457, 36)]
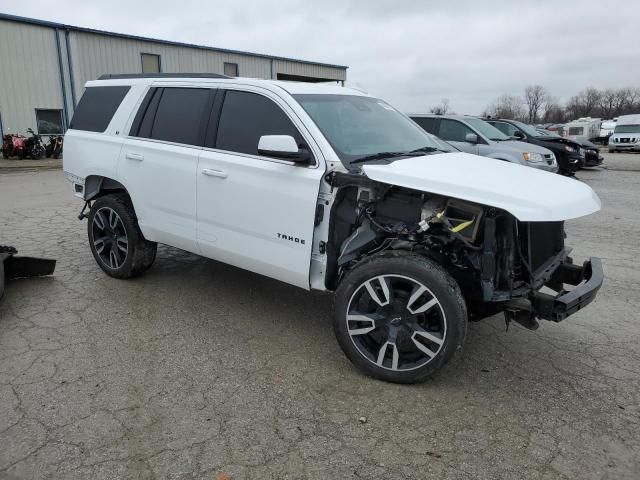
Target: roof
[(293, 88), (446, 115), (46, 23)]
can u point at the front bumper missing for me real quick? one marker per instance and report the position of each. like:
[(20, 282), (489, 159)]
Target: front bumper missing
[(587, 279)]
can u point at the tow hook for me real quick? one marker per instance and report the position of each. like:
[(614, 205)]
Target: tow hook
[(523, 317), (82, 214)]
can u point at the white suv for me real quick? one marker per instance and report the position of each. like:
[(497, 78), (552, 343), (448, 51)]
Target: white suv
[(327, 188)]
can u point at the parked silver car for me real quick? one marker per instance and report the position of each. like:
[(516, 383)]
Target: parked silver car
[(474, 135)]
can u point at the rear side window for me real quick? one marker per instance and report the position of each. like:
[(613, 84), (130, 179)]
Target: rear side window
[(453, 131), (427, 124), (178, 116), (97, 107), (245, 117), (576, 130)]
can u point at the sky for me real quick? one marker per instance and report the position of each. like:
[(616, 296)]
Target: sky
[(412, 53)]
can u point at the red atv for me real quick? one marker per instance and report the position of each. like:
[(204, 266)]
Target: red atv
[(13, 146)]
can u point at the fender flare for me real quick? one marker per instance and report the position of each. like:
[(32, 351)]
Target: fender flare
[(94, 184)]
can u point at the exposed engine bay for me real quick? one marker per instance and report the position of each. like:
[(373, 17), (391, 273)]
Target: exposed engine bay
[(498, 261)]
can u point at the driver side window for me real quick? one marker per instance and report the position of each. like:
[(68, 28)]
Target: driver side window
[(506, 128), (453, 130), (247, 116)]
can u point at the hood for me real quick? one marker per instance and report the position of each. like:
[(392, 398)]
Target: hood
[(566, 141), (529, 194), (524, 146)]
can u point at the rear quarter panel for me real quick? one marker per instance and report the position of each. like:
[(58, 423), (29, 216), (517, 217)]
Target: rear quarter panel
[(97, 153)]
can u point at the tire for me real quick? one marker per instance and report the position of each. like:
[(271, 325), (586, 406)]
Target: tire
[(20, 154), (115, 239), (37, 153), (612, 150), (418, 303), (5, 154)]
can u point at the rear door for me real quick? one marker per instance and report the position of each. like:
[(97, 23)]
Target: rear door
[(159, 160), (455, 132), (257, 212)]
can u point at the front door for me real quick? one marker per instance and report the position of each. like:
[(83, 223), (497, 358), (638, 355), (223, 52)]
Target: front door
[(256, 212), (455, 132)]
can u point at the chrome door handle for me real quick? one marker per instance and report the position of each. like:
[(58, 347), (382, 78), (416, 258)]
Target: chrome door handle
[(214, 173), (134, 156)]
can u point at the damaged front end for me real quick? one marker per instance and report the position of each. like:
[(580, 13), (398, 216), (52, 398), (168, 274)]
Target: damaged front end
[(500, 263), (527, 272), (14, 267)]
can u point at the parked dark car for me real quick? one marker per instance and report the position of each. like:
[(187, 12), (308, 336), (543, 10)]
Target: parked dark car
[(569, 154), (592, 157)]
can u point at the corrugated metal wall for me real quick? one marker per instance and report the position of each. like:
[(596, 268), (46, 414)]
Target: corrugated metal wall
[(29, 74), (308, 70), (94, 55)]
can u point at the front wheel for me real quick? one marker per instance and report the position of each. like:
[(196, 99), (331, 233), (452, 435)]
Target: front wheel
[(37, 153), (116, 241), (399, 317)]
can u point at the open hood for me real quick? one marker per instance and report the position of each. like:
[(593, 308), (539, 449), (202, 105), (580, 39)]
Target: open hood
[(528, 194)]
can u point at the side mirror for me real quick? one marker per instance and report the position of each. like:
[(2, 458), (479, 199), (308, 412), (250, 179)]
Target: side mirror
[(518, 134), (283, 146), (471, 138)]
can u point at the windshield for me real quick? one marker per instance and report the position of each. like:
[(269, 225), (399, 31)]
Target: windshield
[(486, 129), (528, 129), (627, 129), (547, 133), (358, 126)]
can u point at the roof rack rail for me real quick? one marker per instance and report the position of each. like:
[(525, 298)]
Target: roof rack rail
[(118, 76)]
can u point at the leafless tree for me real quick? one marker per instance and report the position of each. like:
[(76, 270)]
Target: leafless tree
[(534, 96), (608, 100), (552, 111), (591, 98), (441, 109), (538, 105), (507, 106)]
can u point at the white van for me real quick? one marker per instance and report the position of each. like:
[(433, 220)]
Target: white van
[(626, 135)]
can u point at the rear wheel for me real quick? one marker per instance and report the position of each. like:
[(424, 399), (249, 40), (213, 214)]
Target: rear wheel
[(116, 241), (399, 317)]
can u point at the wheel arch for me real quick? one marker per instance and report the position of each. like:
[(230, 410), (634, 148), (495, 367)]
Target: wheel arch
[(504, 158), (97, 185)]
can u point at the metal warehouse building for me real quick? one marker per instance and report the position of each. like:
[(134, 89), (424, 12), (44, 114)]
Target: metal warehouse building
[(44, 66)]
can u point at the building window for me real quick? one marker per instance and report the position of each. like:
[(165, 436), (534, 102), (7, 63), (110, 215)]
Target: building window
[(150, 63), (231, 69), (49, 122)]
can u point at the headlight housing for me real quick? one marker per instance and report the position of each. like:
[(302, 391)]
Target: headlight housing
[(532, 157), (569, 148)]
